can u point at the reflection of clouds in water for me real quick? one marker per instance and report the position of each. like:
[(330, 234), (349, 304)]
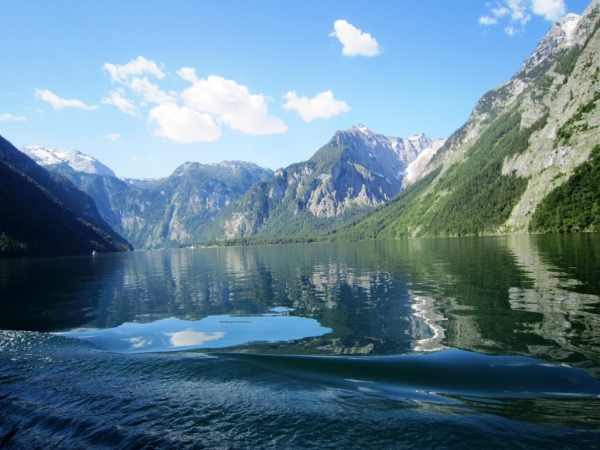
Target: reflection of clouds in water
[(189, 337), (282, 309), (139, 342)]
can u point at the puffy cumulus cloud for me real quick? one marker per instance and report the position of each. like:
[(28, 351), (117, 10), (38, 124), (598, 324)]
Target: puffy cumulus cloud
[(123, 104), (60, 103), (197, 113), (113, 136), (230, 103), (355, 42), (550, 9), (183, 124), (487, 20), (150, 92), (188, 74), (138, 66), (518, 13), (9, 117), (321, 106)]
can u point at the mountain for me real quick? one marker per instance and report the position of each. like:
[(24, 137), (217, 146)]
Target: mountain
[(526, 159), (416, 168), (353, 173), (73, 158), (169, 211), (44, 214)]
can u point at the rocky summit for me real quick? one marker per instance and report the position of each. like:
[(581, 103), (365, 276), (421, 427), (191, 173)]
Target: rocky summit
[(354, 172)]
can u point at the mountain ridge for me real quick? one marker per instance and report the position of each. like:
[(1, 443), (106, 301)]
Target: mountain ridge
[(168, 211), (44, 214), (523, 140), (354, 172), (75, 159)]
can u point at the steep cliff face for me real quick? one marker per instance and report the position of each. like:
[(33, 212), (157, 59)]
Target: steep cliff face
[(522, 140), (356, 171)]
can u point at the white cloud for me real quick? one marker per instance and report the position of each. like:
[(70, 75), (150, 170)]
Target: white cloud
[(123, 104), (60, 103), (486, 20), (188, 74), (550, 9), (134, 67), (133, 158), (519, 13), (197, 113), (113, 136), (500, 11), (321, 106), (150, 91), (230, 103), (9, 117), (183, 124), (355, 42), (190, 337)]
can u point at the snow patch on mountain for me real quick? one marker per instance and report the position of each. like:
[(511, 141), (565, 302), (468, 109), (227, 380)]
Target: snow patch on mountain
[(75, 159), (416, 168)]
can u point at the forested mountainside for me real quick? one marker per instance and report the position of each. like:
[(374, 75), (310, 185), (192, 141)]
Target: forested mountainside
[(353, 173), (526, 159), (169, 211), (44, 214)]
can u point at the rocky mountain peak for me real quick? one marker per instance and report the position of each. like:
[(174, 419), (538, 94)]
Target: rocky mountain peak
[(363, 129), (561, 35), (405, 149), (75, 159)]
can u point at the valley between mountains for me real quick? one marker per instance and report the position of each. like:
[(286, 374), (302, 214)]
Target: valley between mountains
[(526, 161)]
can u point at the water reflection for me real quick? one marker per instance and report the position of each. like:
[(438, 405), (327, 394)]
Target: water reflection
[(528, 295), (569, 324)]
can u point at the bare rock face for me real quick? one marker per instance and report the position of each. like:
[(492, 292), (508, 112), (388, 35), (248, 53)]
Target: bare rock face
[(522, 140), (164, 212), (561, 35), (368, 173), (356, 171)]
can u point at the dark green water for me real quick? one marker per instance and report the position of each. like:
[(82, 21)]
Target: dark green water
[(438, 343)]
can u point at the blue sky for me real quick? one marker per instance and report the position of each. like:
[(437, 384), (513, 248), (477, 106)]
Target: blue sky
[(145, 86)]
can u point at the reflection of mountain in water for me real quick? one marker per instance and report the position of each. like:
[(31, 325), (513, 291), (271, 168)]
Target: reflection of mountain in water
[(515, 294), (569, 324), (504, 295), (369, 309)]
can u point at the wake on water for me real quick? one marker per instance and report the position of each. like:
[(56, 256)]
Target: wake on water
[(66, 393)]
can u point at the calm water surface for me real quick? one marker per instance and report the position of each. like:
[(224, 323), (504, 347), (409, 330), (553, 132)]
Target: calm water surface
[(438, 343)]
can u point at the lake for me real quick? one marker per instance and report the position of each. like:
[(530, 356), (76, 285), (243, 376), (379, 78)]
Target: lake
[(435, 343)]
